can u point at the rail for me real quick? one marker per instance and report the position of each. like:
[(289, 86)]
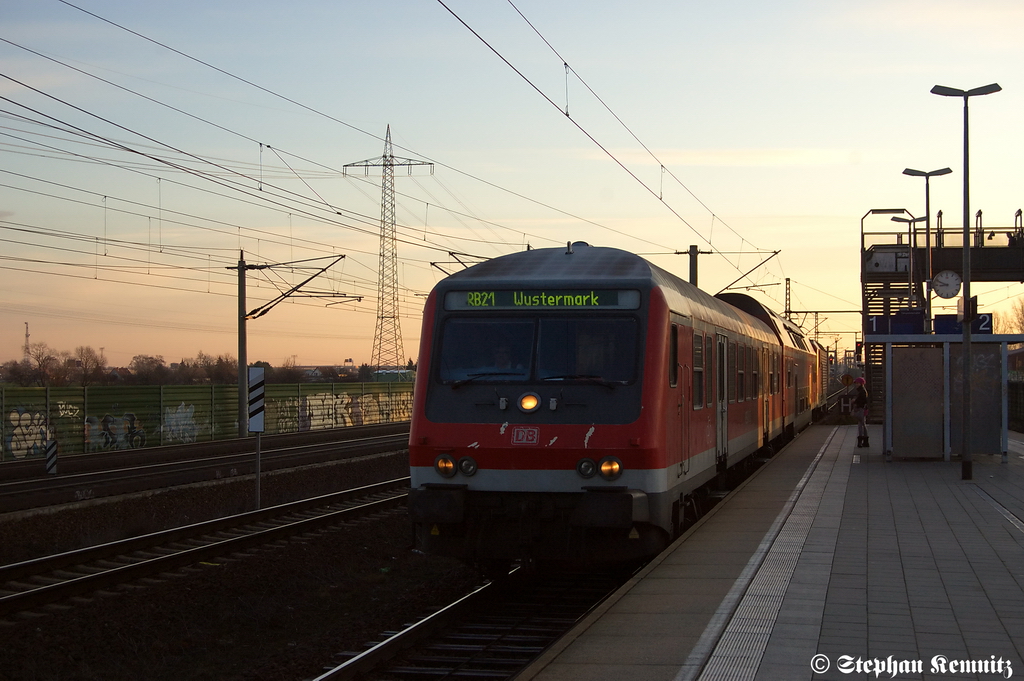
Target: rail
[(33, 583), (493, 633), (24, 487)]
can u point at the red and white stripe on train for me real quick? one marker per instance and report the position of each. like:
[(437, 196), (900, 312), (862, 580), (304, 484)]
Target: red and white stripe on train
[(573, 404)]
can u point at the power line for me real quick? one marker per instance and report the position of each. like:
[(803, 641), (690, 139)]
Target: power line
[(614, 115), (360, 130)]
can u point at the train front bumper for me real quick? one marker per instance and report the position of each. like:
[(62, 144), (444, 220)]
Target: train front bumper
[(598, 524)]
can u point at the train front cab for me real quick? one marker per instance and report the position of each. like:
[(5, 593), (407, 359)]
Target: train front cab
[(491, 482), (570, 478)]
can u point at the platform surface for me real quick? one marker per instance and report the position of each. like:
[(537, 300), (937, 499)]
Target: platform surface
[(829, 563)]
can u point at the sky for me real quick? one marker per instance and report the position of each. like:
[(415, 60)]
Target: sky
[(144, 147)]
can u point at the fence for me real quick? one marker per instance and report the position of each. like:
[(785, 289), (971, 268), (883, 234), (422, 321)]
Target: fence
[(102, 418)]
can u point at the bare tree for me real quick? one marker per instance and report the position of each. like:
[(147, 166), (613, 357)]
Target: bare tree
[(149, 370), (20, 372), (224, 370), (63, 369), (90, 365), (288, 373), (1012, 322), (44, 362)]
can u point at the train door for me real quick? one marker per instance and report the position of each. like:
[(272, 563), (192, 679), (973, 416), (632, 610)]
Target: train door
[(721, 405), (764, 394), (677, 397), (792, 392)]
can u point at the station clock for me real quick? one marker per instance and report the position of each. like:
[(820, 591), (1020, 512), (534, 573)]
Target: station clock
[(946, 284)]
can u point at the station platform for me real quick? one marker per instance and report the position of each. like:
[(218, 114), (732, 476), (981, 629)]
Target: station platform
[(828, 563)]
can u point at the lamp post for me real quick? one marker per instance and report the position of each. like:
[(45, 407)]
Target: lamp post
[(967, 462), (928, 231)]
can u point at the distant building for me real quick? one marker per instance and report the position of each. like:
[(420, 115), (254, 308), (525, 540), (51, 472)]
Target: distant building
[(394, 375)]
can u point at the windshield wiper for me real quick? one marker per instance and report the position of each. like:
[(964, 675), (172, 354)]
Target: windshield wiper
[(589, 378), (473, 377)]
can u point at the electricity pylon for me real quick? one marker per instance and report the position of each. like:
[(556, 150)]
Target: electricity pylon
[(387, 338)]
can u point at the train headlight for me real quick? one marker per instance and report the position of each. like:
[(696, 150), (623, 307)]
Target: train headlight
[(586, 468), (611, 468), (445, 466), (529, 402), (467, 466)]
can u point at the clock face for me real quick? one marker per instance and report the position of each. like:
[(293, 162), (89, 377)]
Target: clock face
[(946, 284)]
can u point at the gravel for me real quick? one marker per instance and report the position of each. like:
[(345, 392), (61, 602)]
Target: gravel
[(280, 612)]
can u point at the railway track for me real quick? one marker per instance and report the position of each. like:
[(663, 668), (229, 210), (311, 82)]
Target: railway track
[(37, 583), (492, 633), (25, 485)]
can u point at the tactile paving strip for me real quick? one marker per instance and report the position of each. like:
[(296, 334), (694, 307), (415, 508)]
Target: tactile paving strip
[(740, 647)]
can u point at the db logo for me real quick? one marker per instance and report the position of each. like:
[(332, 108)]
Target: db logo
[(525, 435)]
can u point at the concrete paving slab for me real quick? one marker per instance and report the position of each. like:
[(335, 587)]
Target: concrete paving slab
[(898, 560)]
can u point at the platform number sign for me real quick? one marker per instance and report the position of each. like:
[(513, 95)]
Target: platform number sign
[(947, 324), (256, 395)]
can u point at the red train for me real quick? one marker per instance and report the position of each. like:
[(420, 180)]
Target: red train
[(573, 404)]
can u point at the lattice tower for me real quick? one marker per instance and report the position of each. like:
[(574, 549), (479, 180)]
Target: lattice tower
[(387, 338)]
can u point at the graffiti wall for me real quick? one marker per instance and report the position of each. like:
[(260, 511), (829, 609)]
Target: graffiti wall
[(325, 410), (101, 418), (28, 433)]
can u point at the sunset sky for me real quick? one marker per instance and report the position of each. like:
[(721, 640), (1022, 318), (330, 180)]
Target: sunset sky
[(144, 145)]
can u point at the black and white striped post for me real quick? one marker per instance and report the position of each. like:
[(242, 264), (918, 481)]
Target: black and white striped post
[(256, 403), (51, 457)]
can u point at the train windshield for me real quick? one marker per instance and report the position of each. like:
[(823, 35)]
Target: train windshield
[(581, 349), (487, 350), (546, 349)]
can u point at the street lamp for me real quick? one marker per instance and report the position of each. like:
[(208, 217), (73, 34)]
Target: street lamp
[(928, 230), (967, 463)]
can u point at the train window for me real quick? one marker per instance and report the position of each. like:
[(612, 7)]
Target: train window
[(708, 381), (587, 348), (486, 350), (775, 373), (741, 373), (698, 371), (673, 356), (755, 387), (731, 371), (751, 372)]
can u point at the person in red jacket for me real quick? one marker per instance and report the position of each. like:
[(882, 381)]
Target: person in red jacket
[(860, 410)]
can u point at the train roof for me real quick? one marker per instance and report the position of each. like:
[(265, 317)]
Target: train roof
[(551, 266), (787, 332), (611, 268)]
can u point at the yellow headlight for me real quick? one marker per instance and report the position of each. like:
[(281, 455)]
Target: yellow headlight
[(611, 469), (529, 402), (445, 466)]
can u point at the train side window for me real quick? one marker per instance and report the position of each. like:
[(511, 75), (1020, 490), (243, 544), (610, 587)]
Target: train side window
[(755, 383), (752, 372), (673, 356), (775, 373), (708, 373), (741, 372), (698, 371), (731, 371)]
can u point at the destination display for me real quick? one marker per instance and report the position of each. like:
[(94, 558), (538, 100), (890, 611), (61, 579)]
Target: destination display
[(549, 299)]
